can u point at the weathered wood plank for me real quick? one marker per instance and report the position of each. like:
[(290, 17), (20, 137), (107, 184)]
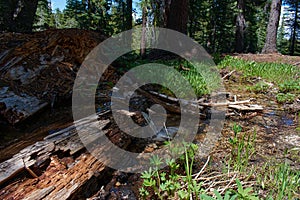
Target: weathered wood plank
[(66, 141)]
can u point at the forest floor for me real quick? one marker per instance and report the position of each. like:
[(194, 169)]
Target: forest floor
[(271, 58), (261, 148)]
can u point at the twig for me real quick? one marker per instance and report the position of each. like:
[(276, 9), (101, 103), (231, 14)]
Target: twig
[(204, 166), (227, 186), (297, 63), (228, 74)]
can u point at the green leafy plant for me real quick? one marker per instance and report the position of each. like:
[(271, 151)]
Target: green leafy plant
[(260, 87), (244, 193), (168, 184), (242, 148), (228, 196), (285, 98)]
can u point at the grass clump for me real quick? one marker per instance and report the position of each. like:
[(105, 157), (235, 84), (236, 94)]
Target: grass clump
[(260, 87), (280, 180), (242, 148), (274, 72), (203, 77), (289, 86), (285, 98)]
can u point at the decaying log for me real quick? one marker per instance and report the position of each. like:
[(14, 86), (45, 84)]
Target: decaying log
[(61, 179), (17, 107), (43, 65), (170, 107)]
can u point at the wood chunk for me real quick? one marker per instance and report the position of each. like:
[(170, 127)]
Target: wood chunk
[(252, 107), (40, 193), (10, 168), (66, 141)]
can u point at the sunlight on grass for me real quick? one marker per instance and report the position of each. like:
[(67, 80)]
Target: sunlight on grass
[(274, 72)]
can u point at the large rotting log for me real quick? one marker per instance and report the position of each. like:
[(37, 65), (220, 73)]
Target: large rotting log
[(59, 167), (17, 107), (43, 65)]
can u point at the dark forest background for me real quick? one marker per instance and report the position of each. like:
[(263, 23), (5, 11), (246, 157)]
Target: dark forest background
[(241, 26)]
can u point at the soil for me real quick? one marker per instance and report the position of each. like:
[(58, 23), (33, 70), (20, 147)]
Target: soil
[(274, 58)]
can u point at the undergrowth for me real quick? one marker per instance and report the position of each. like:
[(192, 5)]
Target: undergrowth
[(281, 79), (273, 72), (203, 78), (240, 180)]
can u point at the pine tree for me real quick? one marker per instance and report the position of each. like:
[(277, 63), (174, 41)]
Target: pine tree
[(270, 45), (43, 16), (292, 21), (240, 27)]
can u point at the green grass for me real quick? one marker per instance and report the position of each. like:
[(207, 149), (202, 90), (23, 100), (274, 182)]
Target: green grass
[(285, 77), (169, 184), (202, 78), (260, 87), (242, 148), (280, 180), (273, 72), (285, 98)]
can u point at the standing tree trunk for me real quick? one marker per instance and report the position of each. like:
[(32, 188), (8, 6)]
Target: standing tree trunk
[(128, 22), (240, 27), (17, 15), (271, 38), (176, 16), (294, 33), (143, 36)]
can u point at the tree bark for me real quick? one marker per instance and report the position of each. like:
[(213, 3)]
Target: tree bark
[(177, 15), (240, 27), (143, 36), (128, 14), (294, 33), (271, 38), (17, 15)]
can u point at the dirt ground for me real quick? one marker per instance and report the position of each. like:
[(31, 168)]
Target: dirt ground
[(275, 58)]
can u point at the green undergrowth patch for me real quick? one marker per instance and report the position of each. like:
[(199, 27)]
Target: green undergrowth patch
[(173, 183), (260, 87), (238, 179), (274, 72), (280, 180), (284, 77), (203, 78)]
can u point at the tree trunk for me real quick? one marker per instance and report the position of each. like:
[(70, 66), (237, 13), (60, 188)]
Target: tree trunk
[(128, 25), (143, 36), (271, 38), (294, 34), (177, 15), (17, 15), (240, 27)]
